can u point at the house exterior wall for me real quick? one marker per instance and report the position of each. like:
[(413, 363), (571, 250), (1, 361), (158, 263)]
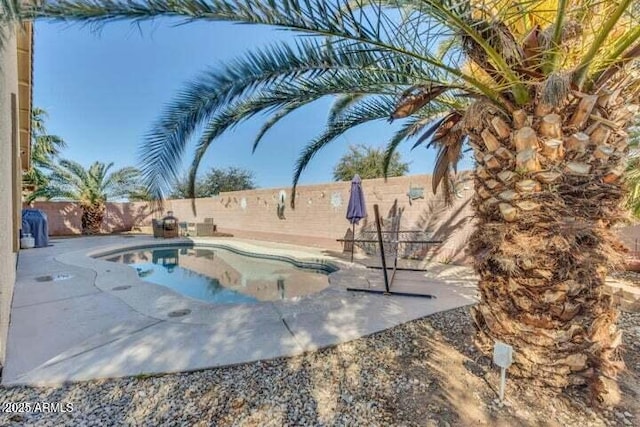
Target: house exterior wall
[(8, 86), (318, 219)]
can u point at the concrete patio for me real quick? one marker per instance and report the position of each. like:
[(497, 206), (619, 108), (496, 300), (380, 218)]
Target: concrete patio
[(82, 325)]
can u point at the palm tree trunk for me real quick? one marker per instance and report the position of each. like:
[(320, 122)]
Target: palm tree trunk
[(92, 217), (548, 190)]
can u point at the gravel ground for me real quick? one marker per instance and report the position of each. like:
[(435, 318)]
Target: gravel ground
[(629, 277), (425, 373)]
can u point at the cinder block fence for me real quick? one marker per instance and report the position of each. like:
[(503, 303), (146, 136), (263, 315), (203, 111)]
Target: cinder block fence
[(317, 220)]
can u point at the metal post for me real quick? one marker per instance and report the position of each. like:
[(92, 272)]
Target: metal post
[(382, 254), (353, 239), (396, 246)]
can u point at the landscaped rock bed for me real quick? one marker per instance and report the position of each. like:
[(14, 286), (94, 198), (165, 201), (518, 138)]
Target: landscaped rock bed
[(425, 372), (629, 277)]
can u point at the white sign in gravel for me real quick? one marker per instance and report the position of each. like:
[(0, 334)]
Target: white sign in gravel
[(502, 356)]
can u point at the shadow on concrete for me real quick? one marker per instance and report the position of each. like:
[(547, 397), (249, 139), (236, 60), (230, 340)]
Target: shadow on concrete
[(73, 330)]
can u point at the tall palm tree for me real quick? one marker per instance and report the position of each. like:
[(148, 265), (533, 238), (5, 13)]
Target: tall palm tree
[(90, 187), (539, 90), (45, 148)]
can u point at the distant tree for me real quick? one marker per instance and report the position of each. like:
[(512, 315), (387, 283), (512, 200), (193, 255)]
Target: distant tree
[(214, 182), (230, 179), (367, 162), (180, 189), (45, 148), (90, 187)]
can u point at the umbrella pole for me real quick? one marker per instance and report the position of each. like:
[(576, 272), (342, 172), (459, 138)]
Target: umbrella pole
[(353, 238), (382, 254)]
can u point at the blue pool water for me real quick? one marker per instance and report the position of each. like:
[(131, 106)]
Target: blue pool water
[(221, 276)]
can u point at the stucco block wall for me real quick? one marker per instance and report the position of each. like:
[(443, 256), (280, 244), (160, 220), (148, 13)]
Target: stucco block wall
[(8, 85), (65, 218), (318, 219), (319, 216)]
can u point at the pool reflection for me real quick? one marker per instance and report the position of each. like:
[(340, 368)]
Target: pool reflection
[(168, 258), (222, 276)]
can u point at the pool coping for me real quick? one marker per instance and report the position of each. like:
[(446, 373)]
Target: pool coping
[(326, 266), (159, 302)]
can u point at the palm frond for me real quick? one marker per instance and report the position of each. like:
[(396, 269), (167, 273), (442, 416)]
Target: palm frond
[(445, 128), (49, 193), (414, 98), (410, 129), (341, 104), (428, 133), (494, 39), (274, 119), (315, 17), (447, 158), (554, 47), (164, 146), (299, 92), (629, 56), (120, 182), (371, 109), (72, 169), (279, 68), (601, 36), (332, 72)]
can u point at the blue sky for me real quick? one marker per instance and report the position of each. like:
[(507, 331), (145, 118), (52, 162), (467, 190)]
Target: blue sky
[(104, 90)]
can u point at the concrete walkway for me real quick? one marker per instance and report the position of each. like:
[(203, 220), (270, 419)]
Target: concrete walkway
[(97, 319)]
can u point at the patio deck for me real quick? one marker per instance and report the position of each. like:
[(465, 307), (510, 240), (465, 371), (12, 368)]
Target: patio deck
[(81, 328)]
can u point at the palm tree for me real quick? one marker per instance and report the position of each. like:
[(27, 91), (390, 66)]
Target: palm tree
[(45, 148), (539, 90), (90, 187)]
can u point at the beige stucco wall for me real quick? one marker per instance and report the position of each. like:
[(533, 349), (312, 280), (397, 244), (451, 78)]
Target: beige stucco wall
[(8, 85), (318, 220), (319, 216), (65, 218)]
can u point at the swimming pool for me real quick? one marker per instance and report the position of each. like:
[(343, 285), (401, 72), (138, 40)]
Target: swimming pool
[(221, 275)]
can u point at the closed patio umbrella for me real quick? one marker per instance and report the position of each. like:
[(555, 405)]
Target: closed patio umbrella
[(356, 209)]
